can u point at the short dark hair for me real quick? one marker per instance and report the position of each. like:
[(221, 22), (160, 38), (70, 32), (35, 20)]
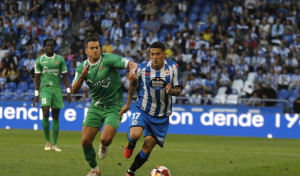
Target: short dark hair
[(158, 45), (91, 39), (48, 40)]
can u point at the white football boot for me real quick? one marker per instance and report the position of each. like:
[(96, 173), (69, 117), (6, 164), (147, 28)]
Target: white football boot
[(102, 151)]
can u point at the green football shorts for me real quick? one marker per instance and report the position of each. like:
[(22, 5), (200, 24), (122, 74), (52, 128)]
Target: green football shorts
[(51, 96), (109, 115)]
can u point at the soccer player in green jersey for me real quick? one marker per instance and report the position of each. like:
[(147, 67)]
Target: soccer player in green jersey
[(48, 68), (100, 72)]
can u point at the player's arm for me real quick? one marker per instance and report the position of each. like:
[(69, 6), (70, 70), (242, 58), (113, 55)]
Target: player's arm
[(37, 81), (132, 68), (131, 90), (67, 86), (175, 88), (78, 82), (176, 91)]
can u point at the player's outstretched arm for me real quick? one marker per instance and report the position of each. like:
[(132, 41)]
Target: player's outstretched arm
[(67, 85), (132, 67), (36, 88), (176, 91), (77, 85), (131, 89)]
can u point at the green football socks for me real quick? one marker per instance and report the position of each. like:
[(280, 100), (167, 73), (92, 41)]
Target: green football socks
[(55, 129), (90, 156), (46, 127)]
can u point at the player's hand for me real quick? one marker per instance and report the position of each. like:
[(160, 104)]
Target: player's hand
[(168, 88), (69, 98), (85, 71), (125, 108), (36, 100), (131, 76)]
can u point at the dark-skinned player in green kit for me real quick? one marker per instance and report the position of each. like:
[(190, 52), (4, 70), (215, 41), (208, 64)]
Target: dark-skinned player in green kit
[(100, 72), (48, 69)]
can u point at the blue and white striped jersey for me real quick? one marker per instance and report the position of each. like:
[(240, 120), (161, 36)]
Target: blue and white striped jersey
[(152, 96)]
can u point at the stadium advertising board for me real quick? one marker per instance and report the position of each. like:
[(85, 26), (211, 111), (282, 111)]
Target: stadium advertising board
[(201, 120)]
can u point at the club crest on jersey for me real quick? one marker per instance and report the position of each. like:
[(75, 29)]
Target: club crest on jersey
[(134, 122), (101, 68), (56, 62), (167, 72)]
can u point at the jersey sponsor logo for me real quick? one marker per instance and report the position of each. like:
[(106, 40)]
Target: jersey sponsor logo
[(53, 71), (102, 83), (89, 81), (44, 62), (45, 68), (157, 83)]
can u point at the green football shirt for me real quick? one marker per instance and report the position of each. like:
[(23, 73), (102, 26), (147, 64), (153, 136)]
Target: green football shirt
[(50, 69), (104, 79)]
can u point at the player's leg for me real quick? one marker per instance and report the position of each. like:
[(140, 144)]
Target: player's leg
[(55, 129), (133, 136), (56, 104), (46, 126), (91, 125), (108, 133), (143, 155), (88, 136), (136, 127), (110, 128)]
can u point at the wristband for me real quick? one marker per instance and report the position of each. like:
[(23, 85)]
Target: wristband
[(68, 90), (36, 93)]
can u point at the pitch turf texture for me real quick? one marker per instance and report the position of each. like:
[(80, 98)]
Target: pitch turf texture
[(22, 154)]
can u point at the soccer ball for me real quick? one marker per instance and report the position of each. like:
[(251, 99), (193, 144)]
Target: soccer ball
[(160, 171)]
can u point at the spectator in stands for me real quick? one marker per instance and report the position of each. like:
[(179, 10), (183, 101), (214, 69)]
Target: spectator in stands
[(24, 75), (29, 62), (224, 80), (133, 48), (151, 38), (168, 19), (107, 47), (119, 48), (12, 73), (296, 104), (291, 62), (2, 76), (115, 32), (272, 78), (210, 85), (254, 100), (277, 30), (284, 79), (230, 68)]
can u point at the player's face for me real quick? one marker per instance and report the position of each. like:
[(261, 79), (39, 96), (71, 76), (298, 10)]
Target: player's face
[(49, 48), (93, 51), (157, 57)]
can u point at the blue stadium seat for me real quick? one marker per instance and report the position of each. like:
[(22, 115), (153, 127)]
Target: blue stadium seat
[(11, 85), (22, 86), (283, 94), (128, 7), (31, 85), (293, 93), (29, 97), (126, 40), (6, 96), (19, 92), (193, 17)]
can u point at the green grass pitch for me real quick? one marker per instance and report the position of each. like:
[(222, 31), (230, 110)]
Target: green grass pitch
[(22, 154)]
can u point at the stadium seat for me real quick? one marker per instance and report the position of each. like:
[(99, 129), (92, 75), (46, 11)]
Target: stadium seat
[(31, 85), (282, 94), (293, 93), (22, 86), (12, 86), (220, 99), (222, 91), (193, 17), (251, 76), (232, 99), (30, 96), (19, 93), (248, 87), (238, 85), (6, 94)]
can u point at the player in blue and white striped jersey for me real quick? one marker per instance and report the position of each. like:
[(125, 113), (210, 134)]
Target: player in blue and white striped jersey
[(159, 80)]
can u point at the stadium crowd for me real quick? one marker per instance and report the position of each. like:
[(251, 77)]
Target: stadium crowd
[(248, 48)]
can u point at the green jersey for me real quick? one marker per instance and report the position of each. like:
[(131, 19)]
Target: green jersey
[(104, 79), (50, 69)]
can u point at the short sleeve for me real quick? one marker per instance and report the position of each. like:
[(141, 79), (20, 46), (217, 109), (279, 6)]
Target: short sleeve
[(116, 61), (63, 66), (37, 65), (78, 72)]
